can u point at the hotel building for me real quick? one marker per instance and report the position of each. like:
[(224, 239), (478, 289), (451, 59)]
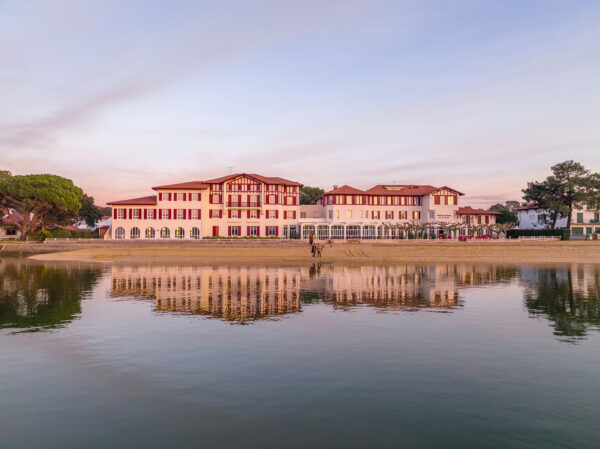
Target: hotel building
[(251, 205)]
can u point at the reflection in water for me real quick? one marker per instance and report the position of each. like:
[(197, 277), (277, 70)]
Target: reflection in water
[(34, 296), (568, 296), (242, 294)]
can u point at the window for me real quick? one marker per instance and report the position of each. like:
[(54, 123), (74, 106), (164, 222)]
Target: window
[(358, 199), (134, 233), (337, 214), (179, 233), (165, 233), (302, 214), (234, 214), (436, 200), (402, 200), (404, 215), (272, 231), (330, 214), (253, 214), (165, 214), (580, 217), (150, 233), (136, 214), (121, 213), (360, 214), (389, 215), (194, 215), (451, 200), (119, 233), (348, 214), (416, 215), (180, 196), (235, 231), (376, 214), (195, 233), (216, 213), (432, 214), (271, 199), (253, 230), (180, 214)]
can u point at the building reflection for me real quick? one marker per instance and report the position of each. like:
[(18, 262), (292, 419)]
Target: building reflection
[(238, 294), (243, 294)]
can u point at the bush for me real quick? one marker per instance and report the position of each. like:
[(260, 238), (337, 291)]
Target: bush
[(43, 235), (564, 234)]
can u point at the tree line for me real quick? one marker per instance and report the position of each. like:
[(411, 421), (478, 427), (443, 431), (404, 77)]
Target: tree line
[(40, 201)]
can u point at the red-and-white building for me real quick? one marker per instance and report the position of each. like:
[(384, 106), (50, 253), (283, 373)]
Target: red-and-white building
[(251, 205)]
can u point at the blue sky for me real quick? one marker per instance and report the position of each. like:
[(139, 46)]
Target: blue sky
[(122, 95)]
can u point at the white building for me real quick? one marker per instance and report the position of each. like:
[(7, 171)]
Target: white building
[(532, 217)]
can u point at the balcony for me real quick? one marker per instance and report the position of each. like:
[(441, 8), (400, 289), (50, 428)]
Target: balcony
[(244, 204)]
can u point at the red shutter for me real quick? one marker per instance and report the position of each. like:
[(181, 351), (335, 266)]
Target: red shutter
[(130, 213), (184, 214), (210, 213), (258, 231), (248, 231), (114, 213), (294, 215), (184, 196), (159, 213), (189, 214), (140, 213), (229, 230), (159, 196), (248, 213), (277, 213), (229, 215), (277, 231), (154, 214), (145, 214), (284, 214), (169, 214), (169, 196)]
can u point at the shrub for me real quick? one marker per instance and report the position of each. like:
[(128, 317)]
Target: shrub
[(564, 234)]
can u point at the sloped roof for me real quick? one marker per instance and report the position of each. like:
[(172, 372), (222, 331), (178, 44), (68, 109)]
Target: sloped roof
[(265, 179), (529, 206), (469, 211), (14, 218), (143, 201), (345, 190), (191, 185)]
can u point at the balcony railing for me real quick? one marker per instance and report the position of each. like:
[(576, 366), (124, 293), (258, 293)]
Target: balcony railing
[(244, 204)]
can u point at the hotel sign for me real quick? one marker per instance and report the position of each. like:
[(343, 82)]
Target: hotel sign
[(443, 216)]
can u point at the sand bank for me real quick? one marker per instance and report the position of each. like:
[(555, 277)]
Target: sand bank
[(292, 252)]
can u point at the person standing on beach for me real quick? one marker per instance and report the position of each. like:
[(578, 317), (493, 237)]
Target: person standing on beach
[(313, 249), (318, 248), (311, 240)]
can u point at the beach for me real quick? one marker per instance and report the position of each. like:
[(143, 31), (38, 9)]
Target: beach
[(293, 252)]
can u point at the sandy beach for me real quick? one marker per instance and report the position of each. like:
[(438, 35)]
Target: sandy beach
[(291, 252)]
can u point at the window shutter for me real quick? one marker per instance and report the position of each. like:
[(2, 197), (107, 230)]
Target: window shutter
[(184, 214), (229, 215), (284, 214), (277, 230), (277, 213), (114, 213), (169, 196), (140, 213), (294, 215), (169, 213), (145, 214), (229, 230), (248, 231), (258, 231), (189, 214), (210, 213), (154, 213), (159, 196), (159, 213), (199, 214), (248, 213), (184, 196), (130, 214)]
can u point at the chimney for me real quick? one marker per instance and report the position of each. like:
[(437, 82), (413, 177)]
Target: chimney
[(335, 187)]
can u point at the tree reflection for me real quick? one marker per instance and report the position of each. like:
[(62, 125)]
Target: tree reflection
[(567, 296), (35, 296)]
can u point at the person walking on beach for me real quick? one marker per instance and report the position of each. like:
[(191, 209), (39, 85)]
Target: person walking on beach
[(318, 248), (311, 240), (313, 249)]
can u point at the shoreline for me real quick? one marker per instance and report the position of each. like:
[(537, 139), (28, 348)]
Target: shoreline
[(298, 252)]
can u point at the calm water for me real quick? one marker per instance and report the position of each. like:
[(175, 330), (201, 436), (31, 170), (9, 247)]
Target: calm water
[(415, 356)]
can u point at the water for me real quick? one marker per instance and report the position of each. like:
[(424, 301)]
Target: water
[(427, 356)]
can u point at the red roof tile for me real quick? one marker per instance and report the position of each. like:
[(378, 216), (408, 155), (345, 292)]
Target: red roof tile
[(529, 206), (143, 201), (264, 179), (191, 185), (469, 211), (345, 190), (407, 190)]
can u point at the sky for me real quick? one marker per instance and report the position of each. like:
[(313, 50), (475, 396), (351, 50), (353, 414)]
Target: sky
[(120, 96)]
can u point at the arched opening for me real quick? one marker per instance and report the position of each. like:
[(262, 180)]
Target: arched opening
[(165, 233), (150, 233), (195, 233), (119, 233), (134, 233), (179, 233)]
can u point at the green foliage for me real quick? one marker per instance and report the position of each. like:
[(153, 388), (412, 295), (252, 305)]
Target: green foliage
[(36, 196), (564, 234), (5, 174), (506, 215), (45, 234), (309, 195), (89, 212)]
